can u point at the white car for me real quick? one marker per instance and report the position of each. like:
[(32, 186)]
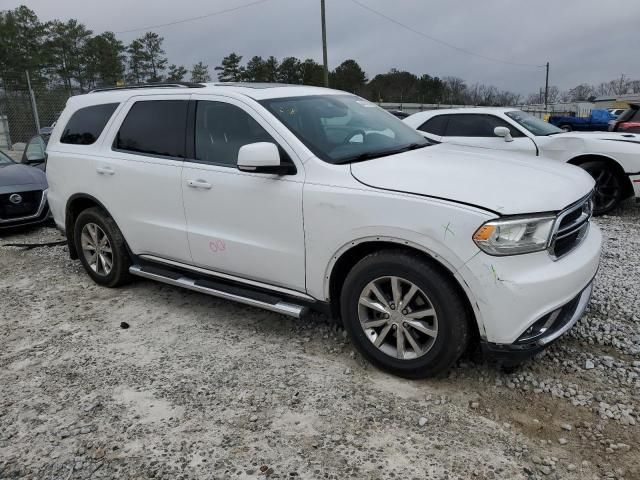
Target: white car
[(291, 197), (612, 159)]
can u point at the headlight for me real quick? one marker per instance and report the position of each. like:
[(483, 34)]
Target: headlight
[(515, 236)]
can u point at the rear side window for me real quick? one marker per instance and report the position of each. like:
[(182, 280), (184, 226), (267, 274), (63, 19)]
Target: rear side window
[(156, 127), (435, 125), (85, 125)]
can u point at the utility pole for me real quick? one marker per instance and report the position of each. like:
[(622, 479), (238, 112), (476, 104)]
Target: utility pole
[(324, 45), (621, 84), (546, 89)]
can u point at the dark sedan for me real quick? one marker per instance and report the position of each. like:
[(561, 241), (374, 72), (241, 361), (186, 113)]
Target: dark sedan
[(23, 194)]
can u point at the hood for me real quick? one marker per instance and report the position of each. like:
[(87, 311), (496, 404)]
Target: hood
[(16, 175), (503, 182)]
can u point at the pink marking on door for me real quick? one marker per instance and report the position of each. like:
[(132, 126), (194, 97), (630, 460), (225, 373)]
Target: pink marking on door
[(217, 246)]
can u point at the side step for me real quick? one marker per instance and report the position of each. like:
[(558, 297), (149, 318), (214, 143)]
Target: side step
[(214, 288)]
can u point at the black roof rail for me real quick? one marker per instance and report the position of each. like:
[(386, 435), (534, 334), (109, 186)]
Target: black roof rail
[(150, 85)]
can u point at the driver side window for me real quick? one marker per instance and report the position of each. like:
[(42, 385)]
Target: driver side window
[(222, 129), (477, 125)]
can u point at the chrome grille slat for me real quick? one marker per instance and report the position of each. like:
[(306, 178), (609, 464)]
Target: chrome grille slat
[(568, 226)]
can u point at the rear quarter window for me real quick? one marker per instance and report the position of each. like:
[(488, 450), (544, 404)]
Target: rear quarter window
[(86, 124)]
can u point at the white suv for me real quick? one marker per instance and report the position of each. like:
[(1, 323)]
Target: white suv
[(292, 197)]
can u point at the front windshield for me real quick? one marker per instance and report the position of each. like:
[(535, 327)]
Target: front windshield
[(536, 126), (344, 128), (5, 159)]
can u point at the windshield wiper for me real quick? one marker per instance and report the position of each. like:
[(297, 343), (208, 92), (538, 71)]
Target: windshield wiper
[(384, 153)]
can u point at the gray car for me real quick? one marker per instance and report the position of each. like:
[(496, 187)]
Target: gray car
[(23, 194)]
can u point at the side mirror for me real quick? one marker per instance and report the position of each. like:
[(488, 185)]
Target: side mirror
[(35, 160), (262, 157), (503, 132)]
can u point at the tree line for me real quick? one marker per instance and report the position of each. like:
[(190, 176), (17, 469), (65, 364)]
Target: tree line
[(67, 55), (587, 93)]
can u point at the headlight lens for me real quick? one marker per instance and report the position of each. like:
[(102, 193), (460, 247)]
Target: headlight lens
[(515, 236)]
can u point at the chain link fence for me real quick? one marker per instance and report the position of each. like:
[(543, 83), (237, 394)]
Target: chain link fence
[(25, 112)]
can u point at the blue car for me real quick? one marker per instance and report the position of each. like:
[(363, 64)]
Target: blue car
[(23, 194)]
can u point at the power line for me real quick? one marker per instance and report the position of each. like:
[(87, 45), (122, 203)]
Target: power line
[(442, 42), (191, 19)]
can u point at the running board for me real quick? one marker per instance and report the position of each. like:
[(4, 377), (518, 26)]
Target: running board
[(227, 291)]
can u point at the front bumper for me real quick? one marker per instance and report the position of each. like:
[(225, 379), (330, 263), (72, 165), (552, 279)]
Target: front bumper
[(510, 294), (557, 323)]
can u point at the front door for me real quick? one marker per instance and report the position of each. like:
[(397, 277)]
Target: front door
[(239, 223)]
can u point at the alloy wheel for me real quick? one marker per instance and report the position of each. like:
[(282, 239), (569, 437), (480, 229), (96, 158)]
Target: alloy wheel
[(607, 189), (398, 317), (96, 249)]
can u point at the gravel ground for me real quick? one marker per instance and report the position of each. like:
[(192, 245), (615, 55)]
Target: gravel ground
[(203, 388)]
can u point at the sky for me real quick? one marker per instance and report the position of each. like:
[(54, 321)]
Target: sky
[(585, 41)]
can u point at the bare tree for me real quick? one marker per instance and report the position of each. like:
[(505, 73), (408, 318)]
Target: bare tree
[(582, 93), (455, 89)]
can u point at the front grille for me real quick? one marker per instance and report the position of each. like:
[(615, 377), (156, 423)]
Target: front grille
[(571, 227), (28, 205)]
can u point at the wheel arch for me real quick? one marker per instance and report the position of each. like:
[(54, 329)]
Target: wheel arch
[(350, 254), (76, 204), (613, 163)]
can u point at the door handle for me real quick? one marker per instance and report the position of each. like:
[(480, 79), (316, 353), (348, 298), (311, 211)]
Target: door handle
[(105, 170), (199, 184)]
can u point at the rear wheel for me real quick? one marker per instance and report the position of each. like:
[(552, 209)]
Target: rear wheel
[(566, 128), (608, 189), (404, 314), (101, 248)]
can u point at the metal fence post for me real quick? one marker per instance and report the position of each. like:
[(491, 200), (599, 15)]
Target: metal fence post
[(6, 132), (34, 107)]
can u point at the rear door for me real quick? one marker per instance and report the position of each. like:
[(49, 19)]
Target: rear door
[(477, 130), (240, 223), (139, 175)]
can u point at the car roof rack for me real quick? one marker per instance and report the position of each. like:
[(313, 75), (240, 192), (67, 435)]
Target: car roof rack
[(150, 85)]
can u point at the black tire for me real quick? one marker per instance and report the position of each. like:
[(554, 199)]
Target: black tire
[(453, 327), (566, 128), (121, 261), (609, 190)]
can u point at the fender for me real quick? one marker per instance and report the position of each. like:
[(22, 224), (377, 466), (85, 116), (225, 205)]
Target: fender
[(438, 258)]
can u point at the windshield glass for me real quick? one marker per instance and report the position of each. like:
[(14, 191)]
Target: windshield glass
[(344, 128), (5, 159), (535, 125)]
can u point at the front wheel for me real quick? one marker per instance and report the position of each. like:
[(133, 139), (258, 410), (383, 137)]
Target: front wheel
[(608, 189), (404, 315), (566, 128)]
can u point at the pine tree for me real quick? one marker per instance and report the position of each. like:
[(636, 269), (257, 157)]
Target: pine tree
[(230, 69), (200, 73), (155, 55), (176, 73)]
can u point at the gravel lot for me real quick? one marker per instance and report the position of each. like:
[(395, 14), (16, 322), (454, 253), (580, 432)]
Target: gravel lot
[(203, 388)]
